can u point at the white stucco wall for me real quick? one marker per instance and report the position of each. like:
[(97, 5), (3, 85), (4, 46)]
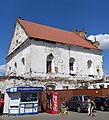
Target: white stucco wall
[(82, 56), (40, 50), (39, 53), (21, 70), (35, 53), (19, 36)]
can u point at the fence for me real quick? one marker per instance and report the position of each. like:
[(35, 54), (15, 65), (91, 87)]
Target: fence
[(64, 95)]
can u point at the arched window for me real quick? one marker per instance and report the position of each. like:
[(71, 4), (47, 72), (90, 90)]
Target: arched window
[(71, 64), (89, 64), (17, 41), (50, 87), (23, 61), (49, 63), (98, 70), (15, 65), (90, 68), (9, 68)]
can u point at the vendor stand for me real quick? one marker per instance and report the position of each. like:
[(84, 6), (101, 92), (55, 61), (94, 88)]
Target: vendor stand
[(23, 100)]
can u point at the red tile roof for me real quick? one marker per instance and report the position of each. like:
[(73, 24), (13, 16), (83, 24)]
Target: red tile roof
[(35, 30)]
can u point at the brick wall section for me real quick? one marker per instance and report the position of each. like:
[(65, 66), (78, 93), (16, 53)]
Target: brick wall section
[(105, 92), (64, 95)]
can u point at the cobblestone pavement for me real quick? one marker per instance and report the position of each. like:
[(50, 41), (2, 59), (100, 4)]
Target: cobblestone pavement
[(72, 116)]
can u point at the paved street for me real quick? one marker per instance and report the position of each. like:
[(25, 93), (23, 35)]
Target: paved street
[(72, 116)]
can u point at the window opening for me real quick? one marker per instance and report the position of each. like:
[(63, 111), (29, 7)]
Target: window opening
[(89, 64), (101, 86), (27, 97), (49, 63), (16, 41), (9, 68), (15, 65), (71, 64), (98, 70), (23, 61), (65, 87)]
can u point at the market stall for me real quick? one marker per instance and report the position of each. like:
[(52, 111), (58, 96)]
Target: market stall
[(23, 100)]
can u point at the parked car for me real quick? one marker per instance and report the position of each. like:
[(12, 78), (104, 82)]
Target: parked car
[(79, 102), (102, 103)]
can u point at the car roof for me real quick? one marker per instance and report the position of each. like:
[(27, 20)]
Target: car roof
[(83, 95), (102, 97)]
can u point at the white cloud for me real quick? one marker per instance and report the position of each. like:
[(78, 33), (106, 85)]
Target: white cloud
[(102, 38), (2, 70)]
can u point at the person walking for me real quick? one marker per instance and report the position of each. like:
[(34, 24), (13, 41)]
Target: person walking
[(89, 106), (93, 107)]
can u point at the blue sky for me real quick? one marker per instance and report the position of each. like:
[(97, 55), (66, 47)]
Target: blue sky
[(92, 15)]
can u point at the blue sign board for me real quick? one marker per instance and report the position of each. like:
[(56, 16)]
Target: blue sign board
[(25, 89)]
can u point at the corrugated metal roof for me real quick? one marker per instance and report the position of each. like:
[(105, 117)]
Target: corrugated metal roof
[(35, 30)]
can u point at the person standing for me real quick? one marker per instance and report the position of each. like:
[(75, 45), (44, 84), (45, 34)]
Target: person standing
[(89, 106)]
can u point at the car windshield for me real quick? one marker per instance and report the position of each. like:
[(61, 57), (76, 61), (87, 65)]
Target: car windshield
[(87, 97)]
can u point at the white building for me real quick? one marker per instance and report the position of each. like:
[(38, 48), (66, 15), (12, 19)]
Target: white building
[(49, 57), (98, 85)]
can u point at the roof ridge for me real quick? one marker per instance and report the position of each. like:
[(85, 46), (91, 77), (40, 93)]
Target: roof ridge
[(45, 32), (45, 25)]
